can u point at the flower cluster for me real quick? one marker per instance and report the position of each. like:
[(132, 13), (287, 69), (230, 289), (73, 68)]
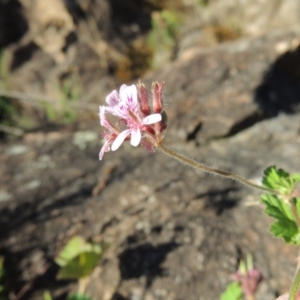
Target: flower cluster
[(134, 119), (248, 277)]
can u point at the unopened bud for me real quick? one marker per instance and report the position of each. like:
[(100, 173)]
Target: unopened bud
[(157, 96), (143, 98)]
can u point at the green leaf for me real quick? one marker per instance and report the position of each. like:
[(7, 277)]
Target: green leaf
[(275, 178), (232, 292), (79, 258), (280, 180), (2, 271), (78, 297), (80, 266), (74, 247), (47, 295), (296, 202), (284, 227)]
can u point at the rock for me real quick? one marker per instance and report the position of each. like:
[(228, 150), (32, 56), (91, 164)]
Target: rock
[(246, 79), (11, 31), (208, 211), (174, 232), (4, 196), (16, 150), (81, 138), (222, 21), (50, 24)]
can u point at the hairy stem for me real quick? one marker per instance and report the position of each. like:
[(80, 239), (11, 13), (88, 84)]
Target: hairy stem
[(295, 213), (82, 283), (295, 286), (207, 169)]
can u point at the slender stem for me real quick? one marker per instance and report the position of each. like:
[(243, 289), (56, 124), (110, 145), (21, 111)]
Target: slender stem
[(298, 260), (295, 286), (82, 285), (295, 213), (296, 282), (207, 169)]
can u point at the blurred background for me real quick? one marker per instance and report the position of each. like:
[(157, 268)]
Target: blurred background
[(232, 89), (59, 58)]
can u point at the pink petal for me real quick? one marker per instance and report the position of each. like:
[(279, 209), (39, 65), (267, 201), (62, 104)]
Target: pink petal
[(154, 118), (105, 148), (101, 153), (283, 297), (120, 139), (122, 88), (113, 98), (135, 137), (104, 122), (128, 95), (102, 115)]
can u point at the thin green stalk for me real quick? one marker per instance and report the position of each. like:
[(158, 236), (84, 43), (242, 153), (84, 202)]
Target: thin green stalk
[(296, 282), (207, 169), (82, 283), (295, 213), (295, 286)]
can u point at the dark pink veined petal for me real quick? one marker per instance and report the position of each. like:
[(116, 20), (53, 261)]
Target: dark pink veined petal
[(104, 122), (128, 95), (120, 139), (113, 98)]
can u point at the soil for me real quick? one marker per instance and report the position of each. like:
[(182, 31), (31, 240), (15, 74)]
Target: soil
[(174, 233)]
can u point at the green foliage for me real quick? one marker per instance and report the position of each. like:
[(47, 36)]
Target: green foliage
[(7, 109), (47, 296), (69, 95), (203, 2), (285, 226), (78, 258), (3, 289), (280, 180), (66, 111), (246, 265), (280, 207), (78, 297), (162, 37), (232, 292), (50, 111)]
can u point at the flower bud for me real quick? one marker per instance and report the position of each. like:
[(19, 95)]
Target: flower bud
[(143, 99), (157, 96)]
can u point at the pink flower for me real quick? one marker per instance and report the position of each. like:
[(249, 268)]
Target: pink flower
[(249, 281), (126, 106), (109, 135), (248, 277)]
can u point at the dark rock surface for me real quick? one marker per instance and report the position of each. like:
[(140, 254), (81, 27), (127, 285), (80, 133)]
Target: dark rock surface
[(175, 233)]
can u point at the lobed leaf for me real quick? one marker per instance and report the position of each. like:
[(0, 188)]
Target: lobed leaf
[(78, 297), (232, 292), (284, 227), (78, 258), (80, 266), (280, 180), (47, 296)]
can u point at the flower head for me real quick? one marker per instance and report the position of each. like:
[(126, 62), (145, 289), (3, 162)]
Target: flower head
[(135, 121), (248, 277)]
